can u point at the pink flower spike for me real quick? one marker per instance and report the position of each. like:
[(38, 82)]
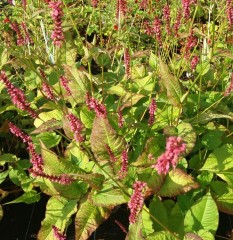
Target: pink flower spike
[(157, 30), (17, 96), (120, 119), (65, 83), (136, 201), (174, 148), (20, 39), (94, 3), (111, 154), (143, 4), (186, 8), (57, 233), (76, 126), (121, 8), (124, 166), (152, 110), (194, 62), (57, 13), (18, 133), (93, 104)]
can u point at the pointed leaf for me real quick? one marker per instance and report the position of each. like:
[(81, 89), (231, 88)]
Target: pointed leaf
[(135, 230), (48, 126), (202, 215), (147, 224), (46, 116), (177, 182), (58, 213), (108, 197), (103, 134), (170, 82), (88, 218), (223, 196), (186, 132), (162, 235), (27, 197), (220, 160)]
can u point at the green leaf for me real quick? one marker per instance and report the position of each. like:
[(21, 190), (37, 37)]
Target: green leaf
[(103, 134), (202, 215), (203, 68), (162, 235), (58, 213), (143, 85), (46, 116), (153, 61), (3, 175), (223, 196), (135, 230), (7, 158), (130, 99), (48, 126), (212, 139), (49, 139), (147, 224), (108, 197), (28, 197), (159, 212), (177, 182), (78, 83), (87, 117), (187, 133), (88, 218), (170, 82), (31, 79), (220, 160), (152, 178), (117, 89)]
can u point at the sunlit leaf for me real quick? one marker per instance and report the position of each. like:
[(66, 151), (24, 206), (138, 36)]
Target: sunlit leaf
[(58, 213), (88, 218), (202, 215), (177, 182)]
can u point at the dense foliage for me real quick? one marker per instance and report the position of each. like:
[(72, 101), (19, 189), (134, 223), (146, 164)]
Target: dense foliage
[(105, 103)]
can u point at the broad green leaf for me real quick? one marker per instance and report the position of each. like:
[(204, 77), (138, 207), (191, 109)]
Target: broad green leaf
[(28, 197), (3, 175), (95, 180), (88, 218), (227, 177), (159, 212), (205, 178), (223, 196), (153, 61), (162, 235), (187, 133), (1, 212), (78, 83), (118, 90), (212, 139), (143, 85), (69, 50), (58, 213), (203, 67), (48, 126), (147, 224), (177, 182), (138, 71), (176, 220), (153, 149), (170, 82), (7, 158), (49, 139), (31, 79), (131, 99), (56, 167), (46, 116), (192, 236), (108, 197), (87, 117), (135, 229), (202, 215), (220, 160), (205, 235), (152, 178), (103, 134)]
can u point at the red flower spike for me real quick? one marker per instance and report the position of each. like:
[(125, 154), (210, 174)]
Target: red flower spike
[(76, 126), (174, 148), (136, 201), (17, 96), (152, 110), (57, 13)]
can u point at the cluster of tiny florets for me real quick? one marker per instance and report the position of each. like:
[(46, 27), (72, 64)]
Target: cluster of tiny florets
[(57, 13), (152, 110), (93, 104), (124, 164), (230, 87), (127, 62), (174, 148), (111, 154), (76, 126), (65, 83), (157, 30), (229, 12), (17, 96), (136, 201)]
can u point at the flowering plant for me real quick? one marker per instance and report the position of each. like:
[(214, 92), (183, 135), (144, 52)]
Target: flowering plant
[(132, 108)]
